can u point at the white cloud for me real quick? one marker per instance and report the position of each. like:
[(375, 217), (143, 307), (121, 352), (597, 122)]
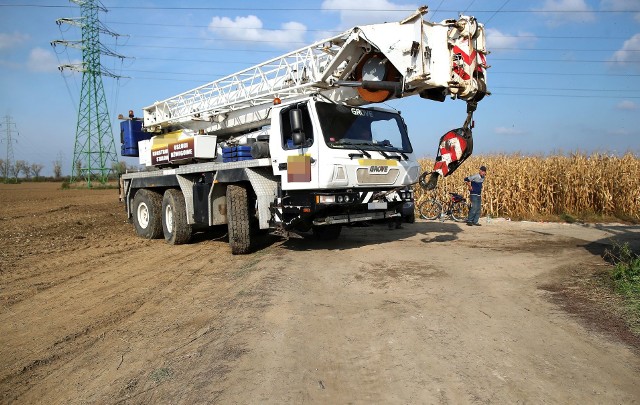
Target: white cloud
[(621, 5), (627, 105), (11, 40), (559, 12), (509, 131), (497, 40), (42, 60), (354, 12), (628, 55), (250, 28)]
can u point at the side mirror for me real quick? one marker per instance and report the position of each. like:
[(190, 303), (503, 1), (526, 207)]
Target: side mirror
[(297, 128)]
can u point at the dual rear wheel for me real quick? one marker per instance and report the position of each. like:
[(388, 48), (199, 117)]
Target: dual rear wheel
[(155, 214)]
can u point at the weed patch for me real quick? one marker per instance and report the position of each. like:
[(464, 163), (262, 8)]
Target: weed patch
[(625, 276)]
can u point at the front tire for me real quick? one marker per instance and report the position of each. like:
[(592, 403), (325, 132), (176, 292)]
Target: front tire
[(430, 209), (147, 208), (175, 227), (239, 219)]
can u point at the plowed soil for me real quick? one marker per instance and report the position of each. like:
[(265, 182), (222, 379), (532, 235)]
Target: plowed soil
[(435, 312)]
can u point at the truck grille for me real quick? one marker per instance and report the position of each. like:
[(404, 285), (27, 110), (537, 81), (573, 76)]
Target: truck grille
[(364, 177)]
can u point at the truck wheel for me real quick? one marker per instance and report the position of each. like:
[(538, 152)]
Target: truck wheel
[(174, 218), (327, 232), (147, 207), (239, 219)]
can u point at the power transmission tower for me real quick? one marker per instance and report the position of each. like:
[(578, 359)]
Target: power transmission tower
[(10, 128), (94, 152)]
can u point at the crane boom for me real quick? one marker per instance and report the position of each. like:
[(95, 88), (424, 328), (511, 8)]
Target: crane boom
[(365, 64)]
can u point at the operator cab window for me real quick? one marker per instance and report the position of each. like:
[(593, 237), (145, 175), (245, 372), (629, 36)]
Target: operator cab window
[(287, 132)]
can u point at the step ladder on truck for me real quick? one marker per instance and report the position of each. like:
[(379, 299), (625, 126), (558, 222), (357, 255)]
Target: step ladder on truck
[(288, 145)]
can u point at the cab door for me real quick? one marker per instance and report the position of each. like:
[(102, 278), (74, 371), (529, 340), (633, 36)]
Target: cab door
[(294, 148)]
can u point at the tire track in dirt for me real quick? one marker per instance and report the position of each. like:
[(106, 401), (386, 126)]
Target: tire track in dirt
[(106, 296)]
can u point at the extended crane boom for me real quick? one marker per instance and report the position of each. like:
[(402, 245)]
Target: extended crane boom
[(366, 64)]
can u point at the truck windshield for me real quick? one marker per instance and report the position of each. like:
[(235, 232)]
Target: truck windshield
[(346, 127)]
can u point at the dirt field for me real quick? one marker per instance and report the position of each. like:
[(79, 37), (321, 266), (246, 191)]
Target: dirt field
[(432, 313)]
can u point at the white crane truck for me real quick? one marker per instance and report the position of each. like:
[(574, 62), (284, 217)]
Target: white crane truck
[(286, 146)]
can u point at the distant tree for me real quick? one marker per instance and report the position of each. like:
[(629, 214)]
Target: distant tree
[(57, 166), (119, 168), (24, 167), (15, 169), (36, 168), (78, 169), (3, 168)]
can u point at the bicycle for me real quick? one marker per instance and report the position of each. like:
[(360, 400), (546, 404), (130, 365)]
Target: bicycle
[(457, 208)]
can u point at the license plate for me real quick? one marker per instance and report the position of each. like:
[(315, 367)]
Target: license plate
[(377, 206)]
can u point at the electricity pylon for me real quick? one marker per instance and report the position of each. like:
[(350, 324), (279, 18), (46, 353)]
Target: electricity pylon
[(8, 163), (94, 151)]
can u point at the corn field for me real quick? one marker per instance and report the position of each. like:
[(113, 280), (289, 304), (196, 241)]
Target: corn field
[(536, 187)]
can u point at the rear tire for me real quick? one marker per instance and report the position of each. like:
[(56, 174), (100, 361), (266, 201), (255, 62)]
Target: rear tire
[(147, 208), (460, 211), (175, 227), (430, 209), (239, 219), (327, 232)]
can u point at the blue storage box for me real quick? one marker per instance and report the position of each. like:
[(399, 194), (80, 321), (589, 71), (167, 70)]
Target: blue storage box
[(130, 134), (236, 153)]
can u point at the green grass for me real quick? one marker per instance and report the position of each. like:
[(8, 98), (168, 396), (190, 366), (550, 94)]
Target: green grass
[(625, 276)]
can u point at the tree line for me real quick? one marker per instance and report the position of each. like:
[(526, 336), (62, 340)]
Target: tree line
[(31, 171)]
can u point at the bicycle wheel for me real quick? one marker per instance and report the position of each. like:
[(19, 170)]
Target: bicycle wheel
[(430, 209), (460, 211)]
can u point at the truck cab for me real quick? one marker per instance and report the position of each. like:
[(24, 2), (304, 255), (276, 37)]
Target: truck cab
[(339, 164)]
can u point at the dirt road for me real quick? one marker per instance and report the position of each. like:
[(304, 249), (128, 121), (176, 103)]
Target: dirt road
[(432, 313)]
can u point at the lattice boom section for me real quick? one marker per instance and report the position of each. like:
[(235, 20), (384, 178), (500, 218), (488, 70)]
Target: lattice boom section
[(296, 73)]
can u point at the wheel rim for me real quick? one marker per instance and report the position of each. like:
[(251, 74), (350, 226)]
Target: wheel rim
[(143, 215), (168, 218), (460, 212), (429, 210)]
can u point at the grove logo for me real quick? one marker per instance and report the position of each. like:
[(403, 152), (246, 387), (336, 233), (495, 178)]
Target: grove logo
[(379, 169)]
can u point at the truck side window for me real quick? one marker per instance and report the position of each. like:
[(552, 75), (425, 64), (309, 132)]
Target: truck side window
[(287, 133)]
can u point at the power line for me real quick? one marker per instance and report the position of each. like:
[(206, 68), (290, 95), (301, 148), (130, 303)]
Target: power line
[(561, 60), (303, 43), (315, 9), (497, 11), (339, 31), (498, 72), (564, 95), (558, 88), (492, 58)]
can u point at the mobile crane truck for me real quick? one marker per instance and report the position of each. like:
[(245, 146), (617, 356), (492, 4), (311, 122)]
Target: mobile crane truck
[(287, 147)]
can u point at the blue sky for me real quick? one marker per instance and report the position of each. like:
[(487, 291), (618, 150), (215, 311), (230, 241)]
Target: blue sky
[(564, 76)]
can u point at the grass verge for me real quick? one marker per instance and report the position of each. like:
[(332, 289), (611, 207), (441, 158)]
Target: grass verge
[(625, 277)]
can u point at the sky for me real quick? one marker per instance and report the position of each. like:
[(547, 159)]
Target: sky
[(564, 76)]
